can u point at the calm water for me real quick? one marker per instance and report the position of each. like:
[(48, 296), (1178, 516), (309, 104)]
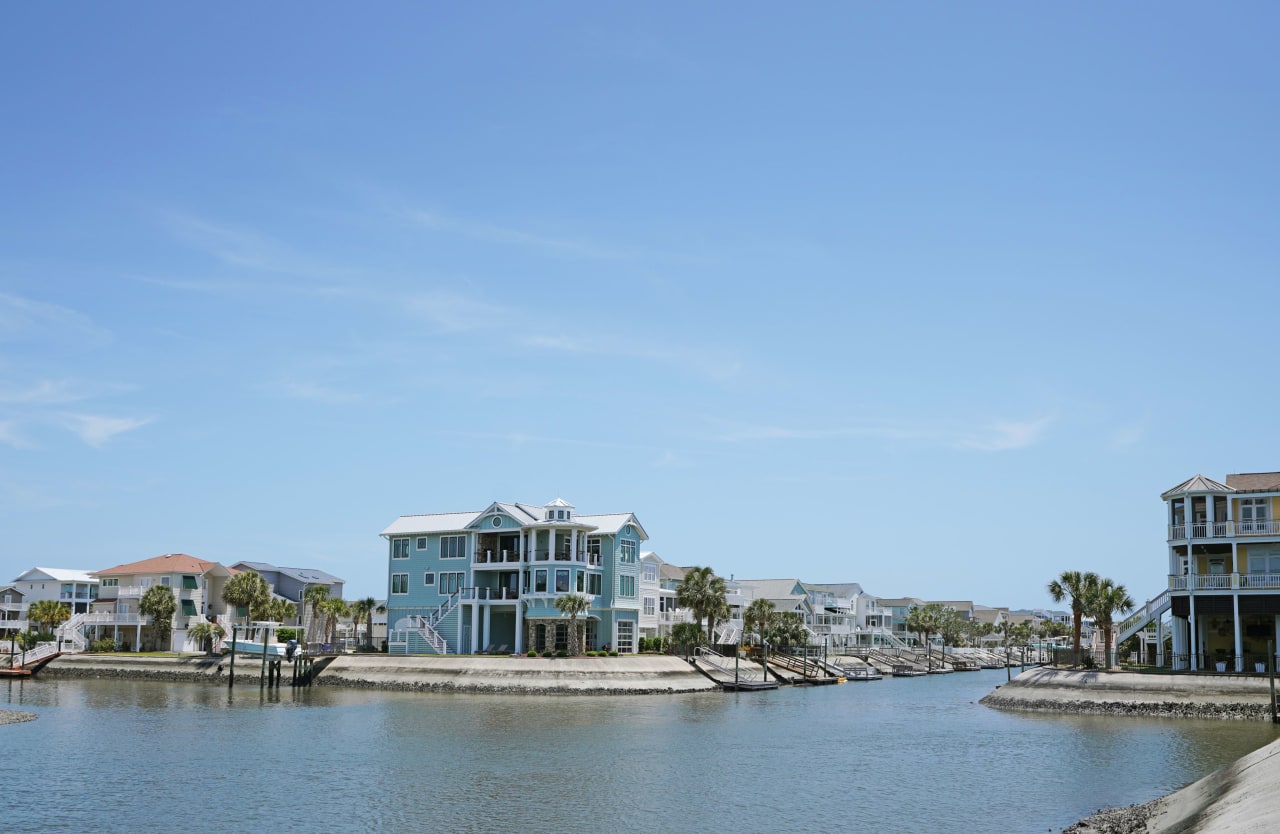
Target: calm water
[(913, 756)]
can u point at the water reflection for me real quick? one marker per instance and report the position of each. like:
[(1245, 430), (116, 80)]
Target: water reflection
[(920, 753)]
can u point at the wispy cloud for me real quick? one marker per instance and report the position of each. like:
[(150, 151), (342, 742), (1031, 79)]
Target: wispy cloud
[(321, 393), (1007, 435), (47, 392), (245, 249), (712, 363), (24, 318), (96, 430), (999, 436), (488, 233), (449, 311), (10, 436)]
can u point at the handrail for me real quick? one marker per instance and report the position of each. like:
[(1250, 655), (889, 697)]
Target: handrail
[(721, 664)]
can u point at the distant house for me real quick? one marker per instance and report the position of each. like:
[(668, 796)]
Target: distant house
[(13, 610), (292, 583), (466, 582), (197, 588), (75, 589)]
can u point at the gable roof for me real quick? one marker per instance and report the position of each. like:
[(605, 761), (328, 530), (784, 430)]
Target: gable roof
[(526, 514), (54, 575), (169, 563), (775, 589), (1255, 481), (1199, 483), (614, 522)]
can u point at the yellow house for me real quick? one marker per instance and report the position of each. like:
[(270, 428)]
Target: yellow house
[(1224, 571)]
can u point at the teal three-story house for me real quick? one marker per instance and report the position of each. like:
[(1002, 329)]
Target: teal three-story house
[(472, 582)]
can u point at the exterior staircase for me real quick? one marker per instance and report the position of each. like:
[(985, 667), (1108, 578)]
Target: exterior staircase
[(1139, 619), (72, 632), (425, 624)]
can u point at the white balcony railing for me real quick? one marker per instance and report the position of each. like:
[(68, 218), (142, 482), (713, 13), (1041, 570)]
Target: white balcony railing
[(128, 592), (490, 594), (114, 618), (1223, 529), (1225, 581)]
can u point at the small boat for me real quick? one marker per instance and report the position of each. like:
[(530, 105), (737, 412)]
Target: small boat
[(862, 675), (908, 672), (255, 648)]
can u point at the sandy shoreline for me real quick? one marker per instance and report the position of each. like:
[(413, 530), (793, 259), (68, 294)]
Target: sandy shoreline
[(12, 716)]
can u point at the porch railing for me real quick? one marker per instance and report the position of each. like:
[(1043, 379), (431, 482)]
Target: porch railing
[(1223, 529)]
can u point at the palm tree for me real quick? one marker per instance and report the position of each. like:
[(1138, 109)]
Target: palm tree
[(247, 590), (1077, 585), (718, 612), (206, 633), (359, 609), (313, 596), (48, 613), (925, 623), (333, 608), (700, 591), (756, 616), (786, 628), (1107, 599), (572, 605), (686, 635), (158, 603)]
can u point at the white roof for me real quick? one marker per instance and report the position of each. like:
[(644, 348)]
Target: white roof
[(56, 575), (525, 514), (1199, 483)]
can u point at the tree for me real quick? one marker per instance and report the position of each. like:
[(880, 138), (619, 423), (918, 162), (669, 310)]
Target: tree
[(786, 628), (925, 623), (313, 596), (686, 635), (48, 613), (158, 603), (360, 609), (756, 616), (1106, 599), (702, 592), (572, 605), (950, 627), (718, 612), (1077, 585), (333, 608), (247, 590), (206, 633)]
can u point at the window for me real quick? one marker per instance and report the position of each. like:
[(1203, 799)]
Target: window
[(429, 579), (650, 572), (189, 583), (399, 548), (144, 582), (582, 582), (449, 583), (113, 582), (650, 606), (626, 636), (562, 581), (628, 551), (497, 521), (626, 586), (422, 542), (1253, 514), (628, 530), (540, 581), (453, 547), (399, 583), (593, 584), (593, 550), (164, 580), (188, 608)]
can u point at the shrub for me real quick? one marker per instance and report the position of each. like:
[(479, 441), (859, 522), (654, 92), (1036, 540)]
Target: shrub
[(284, 635), (547, 653), (591, 653), (106, 644), (561, 653), (533, 652), (613, 652)]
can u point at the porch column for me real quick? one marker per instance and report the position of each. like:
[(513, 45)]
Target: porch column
[(1160, 642), (475, 628), (1193, 638), (524, 547), (473, 544), (1235, 601), (519, 627), (573, 545), (1179, 640), (488, 635)]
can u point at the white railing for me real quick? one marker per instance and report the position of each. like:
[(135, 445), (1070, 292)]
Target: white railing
[(1139, 619), (15, 625), (748, 672), (113, 618), (72, 631), (225, 641), (40, 652), (729, 633), (1223, 529), (129, 591), (490, 593), (1260, 580), (499, 557), (433, 637)]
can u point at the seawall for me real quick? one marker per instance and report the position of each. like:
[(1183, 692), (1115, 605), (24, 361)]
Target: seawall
[(635, 675), (1130, 693)]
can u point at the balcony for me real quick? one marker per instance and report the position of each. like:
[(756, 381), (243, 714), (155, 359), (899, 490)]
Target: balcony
[(129, 592), (482, 594), (495, 558), (1223, 529), (113, 618), (1225, 582)]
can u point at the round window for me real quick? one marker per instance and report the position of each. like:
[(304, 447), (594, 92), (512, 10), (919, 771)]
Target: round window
[(628, 530), (497, 521)]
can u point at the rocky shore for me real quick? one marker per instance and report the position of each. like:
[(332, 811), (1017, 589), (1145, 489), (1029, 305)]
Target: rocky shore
[(632, 675), (11, 716), (1129, 693)]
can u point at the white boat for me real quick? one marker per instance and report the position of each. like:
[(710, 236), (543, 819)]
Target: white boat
[(255, 648)]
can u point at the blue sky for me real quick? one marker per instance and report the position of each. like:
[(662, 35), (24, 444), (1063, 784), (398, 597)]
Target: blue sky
[(936, 298)]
